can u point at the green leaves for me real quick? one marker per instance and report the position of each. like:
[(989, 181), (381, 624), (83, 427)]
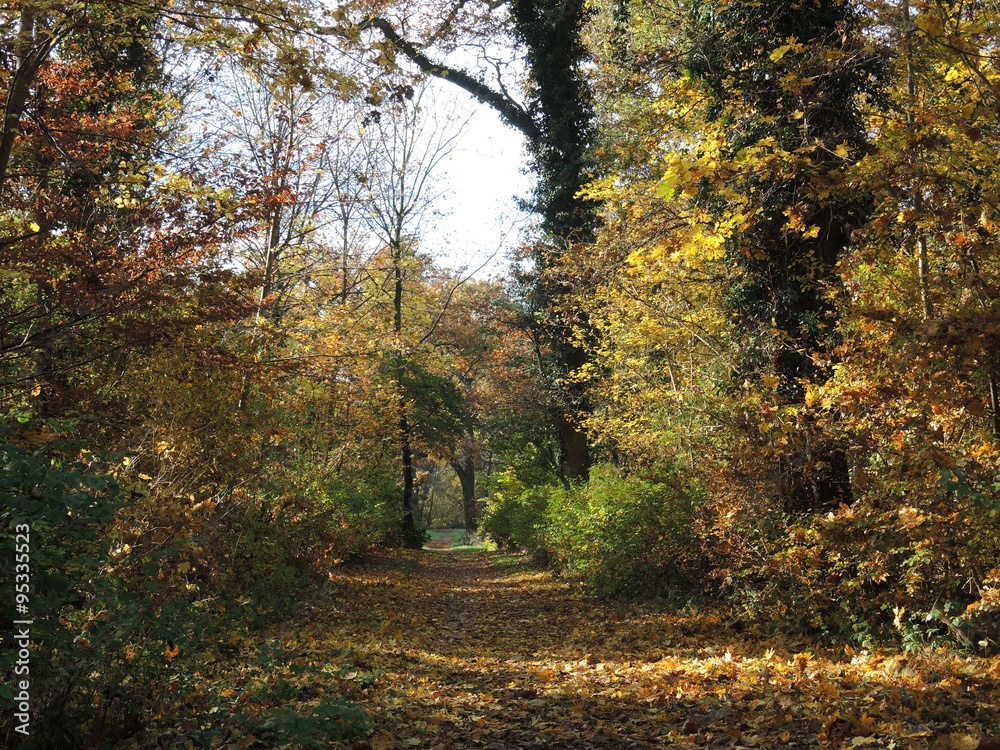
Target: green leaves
[(955, 480), (628, 536)]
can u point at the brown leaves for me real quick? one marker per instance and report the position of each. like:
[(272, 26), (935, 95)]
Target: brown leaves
[(473, 657), (458, 654)]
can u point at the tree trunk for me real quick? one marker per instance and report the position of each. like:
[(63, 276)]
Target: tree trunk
[(574, 460), (466, 471), (31, 53), (408, 523)]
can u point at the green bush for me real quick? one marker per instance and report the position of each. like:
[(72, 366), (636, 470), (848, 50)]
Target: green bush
[(626, 535), (349, 512), (105, 620), (265, 565), (54, 506), (515, 513)]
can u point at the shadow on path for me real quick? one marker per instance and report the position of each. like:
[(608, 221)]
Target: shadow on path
[(470, 655)]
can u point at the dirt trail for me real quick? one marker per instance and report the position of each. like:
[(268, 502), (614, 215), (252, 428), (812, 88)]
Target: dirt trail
[(467, 655)]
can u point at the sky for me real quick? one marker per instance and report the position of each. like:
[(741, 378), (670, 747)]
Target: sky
[(484, 175)]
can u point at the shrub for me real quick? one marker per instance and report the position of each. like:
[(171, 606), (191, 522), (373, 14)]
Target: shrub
[(55, 503), (330, 720), (515, 513), (626, 535)]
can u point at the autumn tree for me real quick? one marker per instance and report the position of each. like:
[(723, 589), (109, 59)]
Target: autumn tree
[(491, 361), (90, 210), (916, 377), (404, 148), (782, 83), (555, 118)]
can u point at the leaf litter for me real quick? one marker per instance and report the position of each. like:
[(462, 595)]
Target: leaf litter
[(453, 651)]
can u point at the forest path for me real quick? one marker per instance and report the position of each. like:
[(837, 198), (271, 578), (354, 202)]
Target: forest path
[(467, 654)]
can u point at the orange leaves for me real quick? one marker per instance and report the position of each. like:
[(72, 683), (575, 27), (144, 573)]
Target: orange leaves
[(911, 518), (538, 663), (507, 659)]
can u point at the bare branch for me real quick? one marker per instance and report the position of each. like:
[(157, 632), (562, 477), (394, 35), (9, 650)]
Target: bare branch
[(510, 111)]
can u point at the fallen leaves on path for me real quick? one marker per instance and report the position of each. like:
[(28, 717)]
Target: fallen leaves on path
[(447, 650), (467, 655)]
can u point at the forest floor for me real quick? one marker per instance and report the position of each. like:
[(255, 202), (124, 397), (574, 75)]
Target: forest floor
[(467, 653), (448, 650)]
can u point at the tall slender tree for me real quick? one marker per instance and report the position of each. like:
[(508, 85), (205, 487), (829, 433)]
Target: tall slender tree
[(405, 146)]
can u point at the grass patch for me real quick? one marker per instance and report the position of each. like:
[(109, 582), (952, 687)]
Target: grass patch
[(439, 536), (467, 548), (453, 540), (513, 562)]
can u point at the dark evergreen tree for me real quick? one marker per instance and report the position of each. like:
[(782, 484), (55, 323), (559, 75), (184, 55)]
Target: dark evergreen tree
[(549, 32)]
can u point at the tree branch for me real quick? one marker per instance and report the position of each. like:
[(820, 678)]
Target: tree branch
[(510, 111), (30, 56)]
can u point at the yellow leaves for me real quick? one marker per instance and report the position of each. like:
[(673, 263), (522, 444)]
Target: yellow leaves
[(709, 245), (644, 255), (957, 742), (707, 239), (178, 182), (812, 395), (898, 613), (594, 671), (770, 382), (955, 74), (792, 46), (780, 52), (124, 201), (985, 449), (930, 24), (681, 177), (911, 518), (601, 189)]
